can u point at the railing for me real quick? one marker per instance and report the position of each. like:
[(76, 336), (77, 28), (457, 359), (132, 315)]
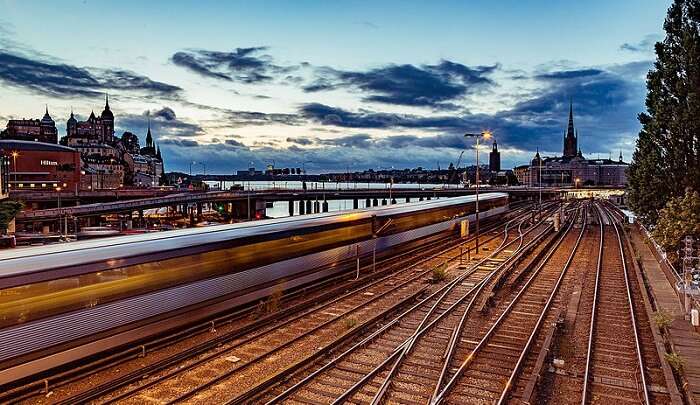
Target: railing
[(662, 257)]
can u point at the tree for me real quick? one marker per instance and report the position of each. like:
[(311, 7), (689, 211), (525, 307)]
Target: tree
[(130, 142), (667, 157), (680, 217), (8, 210)]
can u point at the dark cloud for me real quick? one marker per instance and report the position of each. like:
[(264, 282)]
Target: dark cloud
[(165, 113), (185, 143), (64, 80), (236, 118), (235, 143), (645, 45), (164, 123), (246, 65), (570, 74), (606, 103), (328, 115), (434, 86), (349, 141), (301, 141)]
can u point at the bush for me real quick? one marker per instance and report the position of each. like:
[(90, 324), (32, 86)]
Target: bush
[(675, 361), (350, 323), (440, 273), (8, 210), (662, 319)]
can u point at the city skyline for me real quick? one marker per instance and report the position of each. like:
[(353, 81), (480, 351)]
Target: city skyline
[(269, 87)]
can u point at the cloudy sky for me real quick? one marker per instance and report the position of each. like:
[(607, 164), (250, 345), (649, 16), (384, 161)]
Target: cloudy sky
[(343, 85)]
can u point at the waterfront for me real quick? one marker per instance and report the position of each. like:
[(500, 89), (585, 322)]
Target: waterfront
[(280, 209)]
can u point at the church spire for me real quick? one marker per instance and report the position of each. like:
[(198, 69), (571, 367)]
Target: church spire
[(149, 137), (571, 137), (570, 127)]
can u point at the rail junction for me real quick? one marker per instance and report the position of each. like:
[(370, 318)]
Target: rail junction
[(551, 308)]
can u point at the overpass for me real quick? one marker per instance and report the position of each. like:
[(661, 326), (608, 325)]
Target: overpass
[(255, 200)]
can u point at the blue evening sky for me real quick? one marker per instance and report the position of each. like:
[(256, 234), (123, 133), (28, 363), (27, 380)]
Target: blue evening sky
[(358, 84)]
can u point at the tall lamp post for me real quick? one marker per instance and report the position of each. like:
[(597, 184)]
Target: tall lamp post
[(486, 135), (58, 204), (14, 165)]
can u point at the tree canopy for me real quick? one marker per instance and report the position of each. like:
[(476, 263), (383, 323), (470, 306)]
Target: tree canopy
[(680, 218), (8, 210), (667, 157)]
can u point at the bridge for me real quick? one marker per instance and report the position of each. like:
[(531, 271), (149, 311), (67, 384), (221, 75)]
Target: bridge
[(242, 202)]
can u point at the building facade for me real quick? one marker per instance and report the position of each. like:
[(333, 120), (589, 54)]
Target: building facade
[(43, 130), (494, 158), (41, 166), (572, 168), (110, 161)]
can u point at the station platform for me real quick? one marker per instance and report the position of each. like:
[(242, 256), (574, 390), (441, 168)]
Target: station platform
[(684, 338)]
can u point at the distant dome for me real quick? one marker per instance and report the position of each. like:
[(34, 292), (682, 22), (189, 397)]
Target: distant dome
[(107, 113)]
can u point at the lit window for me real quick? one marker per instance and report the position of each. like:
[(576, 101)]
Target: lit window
[(31, 185), (43, 184)]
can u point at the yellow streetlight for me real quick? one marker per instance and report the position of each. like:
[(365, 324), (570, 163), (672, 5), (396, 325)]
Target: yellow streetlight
[(486, 135), (15, 154)]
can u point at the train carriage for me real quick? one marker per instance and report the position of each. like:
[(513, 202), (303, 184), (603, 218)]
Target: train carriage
[(98, 292)]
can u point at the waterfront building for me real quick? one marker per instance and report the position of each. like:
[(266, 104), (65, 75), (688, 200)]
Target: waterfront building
[(572, 168), (43, 130), (40, 166)]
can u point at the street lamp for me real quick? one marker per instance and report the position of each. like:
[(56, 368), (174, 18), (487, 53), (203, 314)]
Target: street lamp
[(58, 194), (486, 135), (14, 164)]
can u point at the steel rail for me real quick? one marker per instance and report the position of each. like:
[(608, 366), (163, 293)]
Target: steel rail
[(632, 315), (420, 330), (384, 275), (640, 360), (378, 332), (450, 384), (223, 376), (521, 359), (594, 310), (406, 346), (452, 347), (591, 330), (474, 292), (399, 348)]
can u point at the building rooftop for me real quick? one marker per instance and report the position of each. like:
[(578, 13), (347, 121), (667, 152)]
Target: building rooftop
[(11, 144)]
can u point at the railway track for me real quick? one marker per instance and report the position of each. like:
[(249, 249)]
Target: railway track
[(344, 317), (486, 369), (615, 369), (290, 301), (354, 374)]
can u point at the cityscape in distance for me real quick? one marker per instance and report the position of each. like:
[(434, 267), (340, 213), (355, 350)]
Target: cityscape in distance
[(350, 202)]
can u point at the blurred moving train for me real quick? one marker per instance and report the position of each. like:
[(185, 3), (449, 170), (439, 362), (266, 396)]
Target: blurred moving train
[(59, 302)]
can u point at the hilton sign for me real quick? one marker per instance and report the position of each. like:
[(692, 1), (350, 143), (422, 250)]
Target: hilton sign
[(49, 163)]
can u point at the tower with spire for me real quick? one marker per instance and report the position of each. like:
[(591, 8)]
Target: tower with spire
[(149, 137), (494, 158), (71, 124), (107, 123), (570, 137)]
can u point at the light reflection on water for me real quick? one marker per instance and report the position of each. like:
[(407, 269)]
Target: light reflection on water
[(281, 208)]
